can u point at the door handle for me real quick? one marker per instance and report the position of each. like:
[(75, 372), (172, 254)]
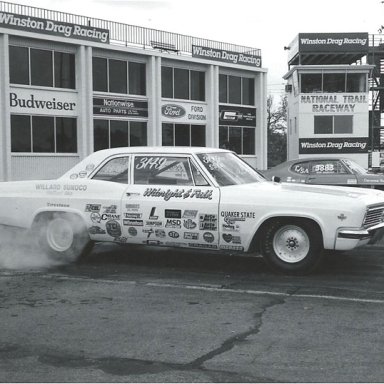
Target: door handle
[(129, 194)]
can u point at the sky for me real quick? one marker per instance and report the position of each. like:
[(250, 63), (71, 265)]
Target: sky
[(268, 25)]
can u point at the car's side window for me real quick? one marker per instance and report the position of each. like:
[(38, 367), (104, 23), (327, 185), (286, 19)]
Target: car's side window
[(168, 170), (301, 168), (115, 170), (327, 167), (200, 180)]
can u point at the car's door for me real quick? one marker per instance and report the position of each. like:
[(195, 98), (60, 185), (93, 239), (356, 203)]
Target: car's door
[(103, 207), (170, 203), (330, 172)]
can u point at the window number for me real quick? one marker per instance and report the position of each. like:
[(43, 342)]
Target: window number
[(151, 163)]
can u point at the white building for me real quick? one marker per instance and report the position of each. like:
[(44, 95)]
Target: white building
[(71, 85), (328, 96)]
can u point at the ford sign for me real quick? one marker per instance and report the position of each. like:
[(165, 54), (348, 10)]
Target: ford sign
[(172, 110)]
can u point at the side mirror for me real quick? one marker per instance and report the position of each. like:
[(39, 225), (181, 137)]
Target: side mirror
[(276, 179)]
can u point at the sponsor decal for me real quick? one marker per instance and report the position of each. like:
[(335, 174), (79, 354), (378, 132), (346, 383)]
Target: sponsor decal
[(238, 216), (134, 223), (74, 176), (173, 234), (152, 214), (153, 242), (95, 217), (190, 214), (232, 248), (189, 224), (132, 231), (174, 244), (191, 236), (160, 233), (231, 227), (90, 167), (109, 216), (172, 214), (92, 208), (208, 222), (113, 228), (208, 237), (173, 223), (132, 207), (198, 245), (121, 239), (228, 238), (168, 194), (96, 230), (153, 223), (133, 215), (110, 209), (148, 231)]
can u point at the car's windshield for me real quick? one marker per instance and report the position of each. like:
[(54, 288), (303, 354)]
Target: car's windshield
[(354, 167), (228, 169)]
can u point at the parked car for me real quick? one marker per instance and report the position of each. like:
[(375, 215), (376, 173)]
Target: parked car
[(199, 198), (326, 171)]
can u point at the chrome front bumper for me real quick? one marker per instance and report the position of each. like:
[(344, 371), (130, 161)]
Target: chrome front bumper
[(359, 234)]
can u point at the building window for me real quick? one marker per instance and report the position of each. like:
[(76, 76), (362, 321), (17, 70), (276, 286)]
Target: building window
[(118, 76), (238, 139), (43, 134), (41, 67), (333, 82), (337, 124), (177, 83), (119, 133), (236, 90), (183, 135)]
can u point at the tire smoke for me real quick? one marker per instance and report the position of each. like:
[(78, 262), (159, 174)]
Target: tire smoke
[(19, 250)]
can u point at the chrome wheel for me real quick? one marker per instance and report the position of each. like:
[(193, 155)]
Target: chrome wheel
[(60, 235), (291, 244)]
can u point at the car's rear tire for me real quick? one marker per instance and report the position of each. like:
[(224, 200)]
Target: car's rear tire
[(62, 236), (292, 246)]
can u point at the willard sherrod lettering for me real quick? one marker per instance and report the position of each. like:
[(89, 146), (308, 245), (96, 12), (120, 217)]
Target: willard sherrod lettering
[(193, 197)]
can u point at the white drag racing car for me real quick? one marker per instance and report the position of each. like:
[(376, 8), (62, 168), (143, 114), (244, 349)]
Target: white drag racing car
[(200, 198)]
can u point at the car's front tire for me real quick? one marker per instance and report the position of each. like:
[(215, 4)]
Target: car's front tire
[(292, 246), (62, 236)]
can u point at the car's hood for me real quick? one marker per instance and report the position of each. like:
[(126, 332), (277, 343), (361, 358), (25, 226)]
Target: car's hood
[(311, 193)]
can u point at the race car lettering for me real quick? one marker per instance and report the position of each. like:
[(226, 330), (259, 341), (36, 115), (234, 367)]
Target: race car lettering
[(178, 193), (239, 215), (55, 187), (75, 187), (151, 163), (57, 205)]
